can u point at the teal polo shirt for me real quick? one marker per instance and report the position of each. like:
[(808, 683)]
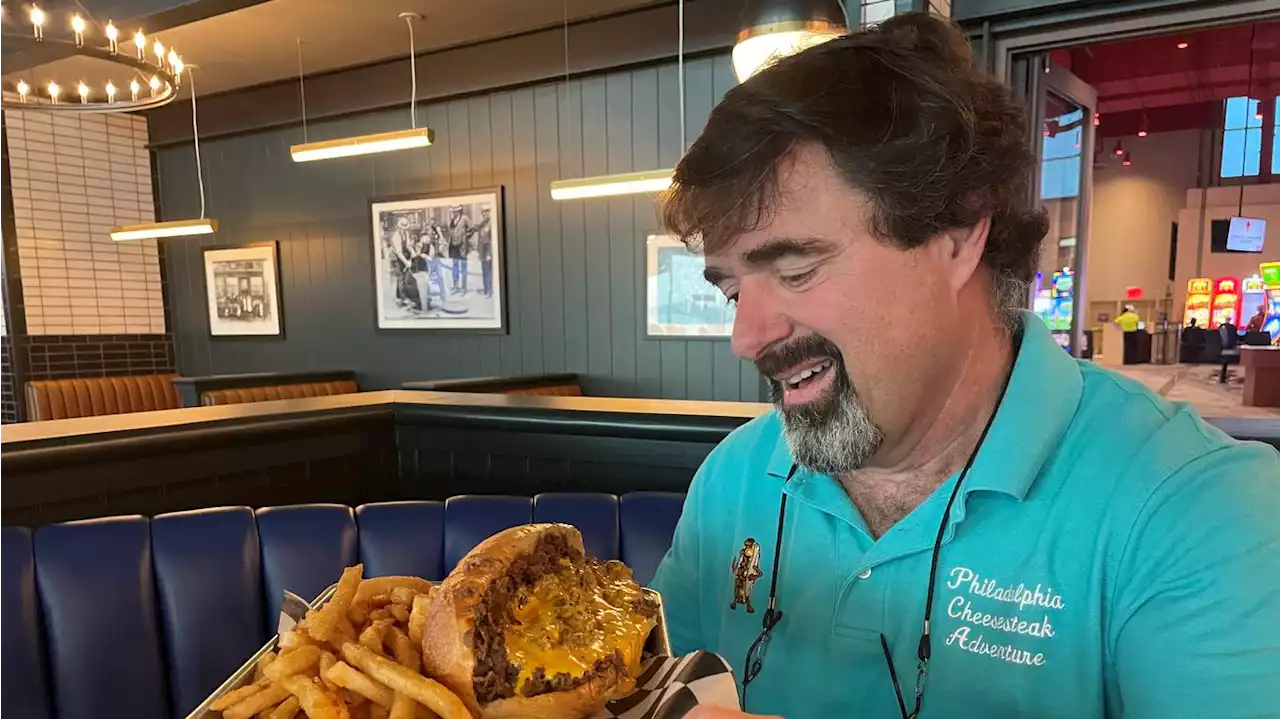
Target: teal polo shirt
[(1110, 554)]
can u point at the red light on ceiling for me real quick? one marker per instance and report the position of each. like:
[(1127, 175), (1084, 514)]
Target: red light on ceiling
[(1097, 119), (1127, 161), (1183, 45), (1142, 132), (1119, 150)]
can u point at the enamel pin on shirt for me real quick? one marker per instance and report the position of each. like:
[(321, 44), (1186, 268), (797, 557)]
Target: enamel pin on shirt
[(746, 570)]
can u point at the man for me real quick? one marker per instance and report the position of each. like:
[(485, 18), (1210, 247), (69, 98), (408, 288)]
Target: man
[(1129, 322), (459, 230), (484, 248), (1099, 552), (1257, 321)]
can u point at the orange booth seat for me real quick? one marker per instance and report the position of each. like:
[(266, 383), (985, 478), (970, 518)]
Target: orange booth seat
[(239, 395), (97, 396)]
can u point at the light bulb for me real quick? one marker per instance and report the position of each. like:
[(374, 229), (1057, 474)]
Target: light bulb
[(111, 91), (155, 84), (178, 66), (1142, 132), (113, 35), (158, 49), (23, 89), (77, 26), (37, 22), (172, 57), (54, 90), (134, 87), (140, 41), (83, 90)]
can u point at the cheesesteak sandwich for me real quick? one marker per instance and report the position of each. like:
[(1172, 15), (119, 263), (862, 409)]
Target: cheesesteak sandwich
[(528, 626)]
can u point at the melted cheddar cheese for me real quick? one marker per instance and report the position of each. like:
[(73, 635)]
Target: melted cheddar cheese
[(571, 618)]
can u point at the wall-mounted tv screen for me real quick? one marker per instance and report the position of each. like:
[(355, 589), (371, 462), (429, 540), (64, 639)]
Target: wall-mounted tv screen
[(1239, 234)]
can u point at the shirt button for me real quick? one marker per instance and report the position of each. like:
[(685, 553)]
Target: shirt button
[(865, 574)]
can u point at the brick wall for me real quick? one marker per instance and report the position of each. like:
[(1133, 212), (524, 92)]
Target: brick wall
[(8, 384)]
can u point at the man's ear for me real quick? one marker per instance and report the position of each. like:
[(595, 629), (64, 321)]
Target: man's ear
[(967, 245)]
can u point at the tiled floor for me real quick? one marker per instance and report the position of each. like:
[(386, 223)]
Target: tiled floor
[(1198, 385)]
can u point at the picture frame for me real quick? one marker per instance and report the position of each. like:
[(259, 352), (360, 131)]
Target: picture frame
[(448, 247), (242, 291), (679, 302)]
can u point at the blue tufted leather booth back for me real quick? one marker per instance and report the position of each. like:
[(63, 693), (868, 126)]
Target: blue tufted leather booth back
[(125, 616)]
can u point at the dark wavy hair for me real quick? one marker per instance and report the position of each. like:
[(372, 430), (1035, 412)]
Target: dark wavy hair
[(906, 117)]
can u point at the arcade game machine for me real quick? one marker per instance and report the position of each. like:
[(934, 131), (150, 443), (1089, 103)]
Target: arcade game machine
[(1252, 293), (1270, 272), (1199, 294), (1225, 309)]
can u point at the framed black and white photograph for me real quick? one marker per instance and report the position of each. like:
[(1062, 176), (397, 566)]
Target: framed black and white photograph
[(439, 261), (679, 300), (242, 286)]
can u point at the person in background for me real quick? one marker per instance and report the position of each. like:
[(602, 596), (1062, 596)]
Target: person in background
[(484, 248), (1129, 319), (1258, 320), (458, 231), (1129, 322), (966, 520)]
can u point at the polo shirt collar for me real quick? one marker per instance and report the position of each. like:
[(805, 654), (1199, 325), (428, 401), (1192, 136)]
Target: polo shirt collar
[(1038, 407)]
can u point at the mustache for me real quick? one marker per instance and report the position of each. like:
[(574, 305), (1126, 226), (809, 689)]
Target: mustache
[(796, 351)]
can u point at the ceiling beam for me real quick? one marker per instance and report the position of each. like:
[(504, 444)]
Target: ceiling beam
[(628, 38)]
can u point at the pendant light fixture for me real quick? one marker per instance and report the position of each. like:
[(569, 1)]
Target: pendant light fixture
[(774, 29), (626, 183), (176, 228), (368, 144)]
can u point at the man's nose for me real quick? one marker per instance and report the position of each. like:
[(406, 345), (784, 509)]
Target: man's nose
[(759, 321)]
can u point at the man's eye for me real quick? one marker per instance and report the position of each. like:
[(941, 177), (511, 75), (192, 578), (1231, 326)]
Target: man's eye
[(797, 279), (731, 299)]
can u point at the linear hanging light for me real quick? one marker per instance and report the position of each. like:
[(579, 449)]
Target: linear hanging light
[(367, 144), (175, 228), (626, 183)]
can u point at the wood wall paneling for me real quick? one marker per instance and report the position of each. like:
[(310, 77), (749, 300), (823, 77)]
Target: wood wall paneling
[(575, 283)]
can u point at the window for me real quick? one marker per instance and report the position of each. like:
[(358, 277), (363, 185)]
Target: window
[(1060, 166), (1275, 138), (1242, 139)]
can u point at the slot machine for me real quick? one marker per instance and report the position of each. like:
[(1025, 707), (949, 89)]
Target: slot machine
[(1199, 295), (1252, 293), (1270, 272), (1225, 309)]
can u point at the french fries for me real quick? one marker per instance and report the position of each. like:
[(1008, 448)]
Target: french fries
[(287, 709), (316, 702), (403, 708), (427, 692), (264, 699), (344, 676), (358, 656)]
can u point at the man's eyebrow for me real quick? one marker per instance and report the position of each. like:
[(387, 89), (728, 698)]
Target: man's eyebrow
[(714, 275), (779, 247)]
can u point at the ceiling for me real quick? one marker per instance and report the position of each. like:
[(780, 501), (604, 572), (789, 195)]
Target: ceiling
[(259, 44), (1153, 82)]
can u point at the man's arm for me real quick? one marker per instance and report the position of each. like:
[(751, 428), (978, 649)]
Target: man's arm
[(1194, 621)]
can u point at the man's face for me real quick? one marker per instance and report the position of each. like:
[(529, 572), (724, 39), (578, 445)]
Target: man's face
[(851, 333), (402, 222)]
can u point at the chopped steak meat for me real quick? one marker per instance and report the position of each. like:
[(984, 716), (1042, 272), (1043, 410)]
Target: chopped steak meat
[(495, 675)]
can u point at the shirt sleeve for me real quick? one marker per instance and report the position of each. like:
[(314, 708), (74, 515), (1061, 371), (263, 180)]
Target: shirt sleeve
[(679, 576), (1194, 629)]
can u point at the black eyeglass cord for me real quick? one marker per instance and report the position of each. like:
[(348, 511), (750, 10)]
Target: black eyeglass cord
[(772, 615), (924, 649)]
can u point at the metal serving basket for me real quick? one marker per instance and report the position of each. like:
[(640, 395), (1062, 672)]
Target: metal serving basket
[(658, 644)]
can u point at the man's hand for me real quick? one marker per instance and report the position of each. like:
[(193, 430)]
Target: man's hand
[(702, 711)]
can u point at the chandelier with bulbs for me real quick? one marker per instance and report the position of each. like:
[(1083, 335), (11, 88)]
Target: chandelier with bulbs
[(151, 73)]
